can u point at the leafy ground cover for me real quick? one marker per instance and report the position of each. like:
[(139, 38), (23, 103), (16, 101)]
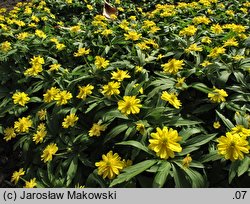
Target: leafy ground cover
[(156, 96)]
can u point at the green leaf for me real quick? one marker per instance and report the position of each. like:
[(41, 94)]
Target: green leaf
[(177, 121), (72, 170), (244, 166), (186, 133), (212, 156), (161, 176), (116, 131), (93, 180), (196, 178), (201, 87), (187, 150), (200, 140), (112, 114), (137, 145), (180, 178), (233, 170), (226, 121), (131, 171)]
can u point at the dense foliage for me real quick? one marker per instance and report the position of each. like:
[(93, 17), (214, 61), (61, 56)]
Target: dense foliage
[(156, 96)]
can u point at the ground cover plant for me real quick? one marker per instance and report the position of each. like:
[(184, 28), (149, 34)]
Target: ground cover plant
[(156, 96)]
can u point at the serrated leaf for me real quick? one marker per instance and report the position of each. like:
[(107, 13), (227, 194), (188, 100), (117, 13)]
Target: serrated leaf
[(132, 171)]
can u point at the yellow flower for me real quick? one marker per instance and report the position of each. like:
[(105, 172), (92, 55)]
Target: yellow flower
[(34, 70), (23, 124), (129, 105), (75, 29), (90, 7), (216, 125), (230, 12), (241, 130), (180, 82), (54, 67), (79, 186), (140, 90), (23, 35), (171, 98), (27, 10), (39, 135), (231, 42), (100, 62), (138, 69), (132, 35), (5, 46), (110, 165), (112, 88), (54, 40), (70, 120), (153, 29), (206, 40), (143, 46), (233, 146), (216, 29), (126, 163), (193, 47), (81, 52), (96, 130), (106, 32), (30, 184), (16, 175), (188, 31), (200, 20), (37, 60), (124, 25), (217, 95), (120, 75), (9, 133), (69, 1), (62, 97), (35, 18), (206, 63), (85, 91), (186, 161), (132, 18), (20, 98), (148, 24), (164, 142), (48, 152), (172, 66), (50, 94), (215, 52), (238, 57), (40, 34), (140, 127), (60, 46)]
